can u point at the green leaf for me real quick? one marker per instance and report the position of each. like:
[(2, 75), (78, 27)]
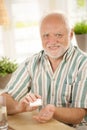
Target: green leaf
[(80, 27), (7, 66)]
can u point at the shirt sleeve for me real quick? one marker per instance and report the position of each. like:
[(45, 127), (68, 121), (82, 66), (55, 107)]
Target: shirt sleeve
[(19, 84), (79, 92)]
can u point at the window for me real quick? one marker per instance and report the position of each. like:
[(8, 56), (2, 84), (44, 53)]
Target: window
[(23, 35), (26, 28), (22, 38), (78, 10)]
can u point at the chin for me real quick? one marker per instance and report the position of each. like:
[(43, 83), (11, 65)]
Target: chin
[(54, 56)]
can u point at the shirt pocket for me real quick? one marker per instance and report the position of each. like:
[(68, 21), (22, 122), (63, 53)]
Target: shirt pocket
[(67, 95)]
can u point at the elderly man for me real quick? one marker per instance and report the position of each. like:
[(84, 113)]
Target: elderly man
[(57, 75)]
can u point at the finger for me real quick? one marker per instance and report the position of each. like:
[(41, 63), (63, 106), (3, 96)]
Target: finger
[(31, 97), (39, 120), (34, 96), (37, 96), (24, 101)]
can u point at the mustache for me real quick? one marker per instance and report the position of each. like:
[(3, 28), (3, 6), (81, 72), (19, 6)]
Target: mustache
[(55, 45)]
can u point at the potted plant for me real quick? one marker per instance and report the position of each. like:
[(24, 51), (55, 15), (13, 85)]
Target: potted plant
[(80, 30), (7, 67)]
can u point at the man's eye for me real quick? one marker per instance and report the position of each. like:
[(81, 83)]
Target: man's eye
[(59, 35), (46, 35)]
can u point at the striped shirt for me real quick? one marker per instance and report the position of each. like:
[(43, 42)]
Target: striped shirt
[(66, 87)]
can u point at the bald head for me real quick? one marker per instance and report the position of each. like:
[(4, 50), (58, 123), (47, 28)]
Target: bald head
[(56, 17)]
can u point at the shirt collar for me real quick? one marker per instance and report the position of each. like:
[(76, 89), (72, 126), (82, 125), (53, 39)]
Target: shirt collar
[(68, 53)]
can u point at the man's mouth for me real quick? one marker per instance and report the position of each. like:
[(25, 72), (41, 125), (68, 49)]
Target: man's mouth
[(54, 47)]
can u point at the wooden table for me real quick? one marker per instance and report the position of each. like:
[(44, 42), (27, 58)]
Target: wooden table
[(25, 121)]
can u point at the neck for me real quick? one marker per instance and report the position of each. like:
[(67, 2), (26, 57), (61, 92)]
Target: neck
[(55, 62)]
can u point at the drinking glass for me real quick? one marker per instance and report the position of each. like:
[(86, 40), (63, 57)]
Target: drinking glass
[(3, 114)]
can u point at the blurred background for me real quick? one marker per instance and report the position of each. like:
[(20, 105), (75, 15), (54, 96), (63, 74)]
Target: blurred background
[(19, 23)]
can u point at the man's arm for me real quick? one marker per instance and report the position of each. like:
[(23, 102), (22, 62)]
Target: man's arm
[(13, 106), (70, 115)]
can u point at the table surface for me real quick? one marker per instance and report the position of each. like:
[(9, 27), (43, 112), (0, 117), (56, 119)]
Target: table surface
[(25, 121)]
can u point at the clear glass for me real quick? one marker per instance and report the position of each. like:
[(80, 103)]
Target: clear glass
[(3, 114)]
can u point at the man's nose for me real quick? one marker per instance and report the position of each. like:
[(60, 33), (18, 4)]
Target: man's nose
[(52, 38)]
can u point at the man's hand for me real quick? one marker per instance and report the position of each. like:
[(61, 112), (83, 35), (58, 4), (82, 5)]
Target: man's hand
[(45, 114), (29, 98)]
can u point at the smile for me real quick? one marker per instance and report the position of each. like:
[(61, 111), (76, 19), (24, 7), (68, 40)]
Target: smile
[(53, 47)]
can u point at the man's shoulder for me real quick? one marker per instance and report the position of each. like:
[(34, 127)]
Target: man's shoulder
[(35, 57), (80, 56), (81, 53)]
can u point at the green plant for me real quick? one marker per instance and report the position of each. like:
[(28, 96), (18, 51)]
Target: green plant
[(7, 66), (80, 27)]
